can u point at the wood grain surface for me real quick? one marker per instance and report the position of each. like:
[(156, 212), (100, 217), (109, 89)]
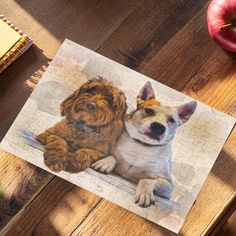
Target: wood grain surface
[(166, 40)]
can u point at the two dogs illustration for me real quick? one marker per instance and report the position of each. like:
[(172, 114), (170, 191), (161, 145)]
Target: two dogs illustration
[(96, 132)]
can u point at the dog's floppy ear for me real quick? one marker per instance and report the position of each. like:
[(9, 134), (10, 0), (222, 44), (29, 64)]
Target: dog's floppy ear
[(146, 93), (66, 105), (119, 104), (186, 110)]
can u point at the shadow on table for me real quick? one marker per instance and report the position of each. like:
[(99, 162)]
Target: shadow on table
[(16, 84), (224, 168), (18, 185), (77, 20), (7, 210)]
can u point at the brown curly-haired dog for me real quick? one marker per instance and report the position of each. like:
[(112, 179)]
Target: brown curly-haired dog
[(93, 123)]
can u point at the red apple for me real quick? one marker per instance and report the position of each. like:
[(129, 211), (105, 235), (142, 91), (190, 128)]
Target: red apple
[(221, 21)]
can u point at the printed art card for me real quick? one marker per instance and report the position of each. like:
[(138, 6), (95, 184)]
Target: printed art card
[(149, 147)]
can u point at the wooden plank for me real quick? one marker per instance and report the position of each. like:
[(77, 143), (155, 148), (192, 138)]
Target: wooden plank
[(230, 227), (109, 219), (157, 23), (62, 207), (19, 182), (90, 24), (215, 82), (148, 44), (181, 58), (86, 22)]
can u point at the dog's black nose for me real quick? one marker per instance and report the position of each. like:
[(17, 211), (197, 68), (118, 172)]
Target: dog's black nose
[(158, 128)]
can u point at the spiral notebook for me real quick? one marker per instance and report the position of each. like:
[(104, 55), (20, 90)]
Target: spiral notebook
[(13, 42)]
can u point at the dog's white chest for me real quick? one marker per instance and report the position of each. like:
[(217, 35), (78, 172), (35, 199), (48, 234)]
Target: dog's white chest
[(137, 161)]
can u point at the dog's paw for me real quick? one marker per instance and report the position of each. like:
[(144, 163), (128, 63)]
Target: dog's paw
[(55, 157), (42, 138), (144, 196), (105, 165), (78, 161)]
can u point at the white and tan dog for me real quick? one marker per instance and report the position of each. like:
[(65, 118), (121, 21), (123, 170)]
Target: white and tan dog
[(143, 152)]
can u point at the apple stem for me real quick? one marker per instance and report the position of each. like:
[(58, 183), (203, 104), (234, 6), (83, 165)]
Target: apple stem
[(226, 25)]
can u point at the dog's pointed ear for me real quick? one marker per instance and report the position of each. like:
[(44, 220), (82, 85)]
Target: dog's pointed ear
[(66, 105), (146, 93), (186, 110)]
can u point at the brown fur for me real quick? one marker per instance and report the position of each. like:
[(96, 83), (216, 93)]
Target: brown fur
[(152, 103), (93, 123)]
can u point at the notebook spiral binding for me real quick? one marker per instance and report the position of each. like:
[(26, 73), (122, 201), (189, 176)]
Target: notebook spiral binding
[(20, 47)]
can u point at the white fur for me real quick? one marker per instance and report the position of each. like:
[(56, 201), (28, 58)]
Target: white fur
[(148, 166), (142, 159), (136, 161)]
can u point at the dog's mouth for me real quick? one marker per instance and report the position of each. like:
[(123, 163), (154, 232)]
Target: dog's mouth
[(155, 136)]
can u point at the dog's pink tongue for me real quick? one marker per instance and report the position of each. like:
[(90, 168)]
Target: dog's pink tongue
[(147, 130)]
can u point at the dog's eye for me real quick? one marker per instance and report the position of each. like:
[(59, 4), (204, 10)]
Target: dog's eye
[(91, 106), (171, 120), (149, 111)]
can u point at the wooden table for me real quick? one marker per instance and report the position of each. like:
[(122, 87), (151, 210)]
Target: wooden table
[(166, 40)]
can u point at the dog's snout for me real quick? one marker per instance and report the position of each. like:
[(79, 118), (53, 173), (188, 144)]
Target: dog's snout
[(158, 128), (91, 105)]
